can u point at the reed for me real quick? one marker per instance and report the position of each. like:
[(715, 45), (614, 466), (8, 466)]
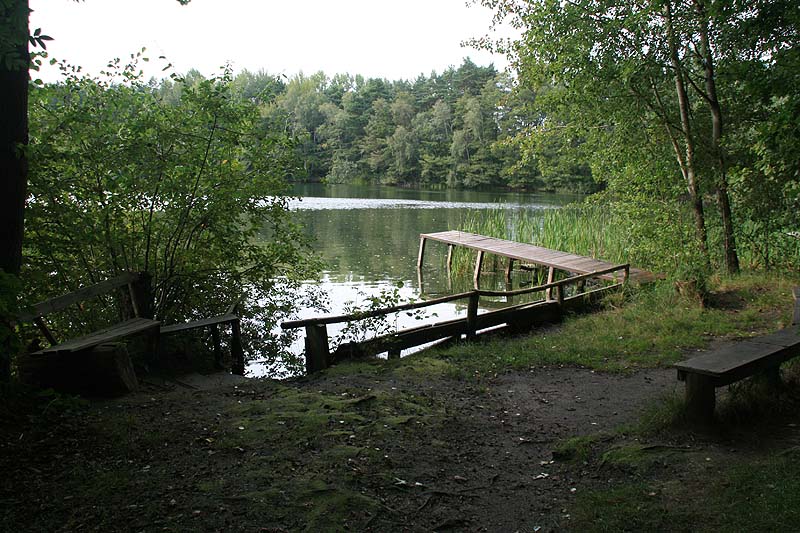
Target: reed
[(584, 229)]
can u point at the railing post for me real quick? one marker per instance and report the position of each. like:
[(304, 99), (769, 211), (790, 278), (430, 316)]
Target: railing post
[(237, 352), (472, 314), (560, 294), (626, 274), (317, 351), (217, 347), (509, 269)]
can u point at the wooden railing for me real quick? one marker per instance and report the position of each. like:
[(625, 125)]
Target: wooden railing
[(318, 355)]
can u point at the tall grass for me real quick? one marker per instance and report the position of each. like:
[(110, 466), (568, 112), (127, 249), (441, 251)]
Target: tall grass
[(657, 236), (583, 229)]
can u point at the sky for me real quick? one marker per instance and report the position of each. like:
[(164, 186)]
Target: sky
[(375, 38)]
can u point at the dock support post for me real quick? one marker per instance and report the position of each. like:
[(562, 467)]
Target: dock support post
[(478, 264), (317, 351), (421, 252), (551, 275), (472, 314), (509, 268), (700, 398), (450, 248)]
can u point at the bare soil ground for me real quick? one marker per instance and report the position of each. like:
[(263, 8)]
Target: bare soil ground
[(416, 444), (379, 449)]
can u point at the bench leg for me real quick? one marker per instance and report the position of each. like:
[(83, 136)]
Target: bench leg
[(772, 377), (700, 398)]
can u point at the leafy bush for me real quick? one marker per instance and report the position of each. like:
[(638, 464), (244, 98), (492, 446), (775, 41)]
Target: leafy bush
[(177, 180)]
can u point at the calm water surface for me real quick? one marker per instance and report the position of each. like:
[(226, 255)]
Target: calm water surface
[(368, 237)]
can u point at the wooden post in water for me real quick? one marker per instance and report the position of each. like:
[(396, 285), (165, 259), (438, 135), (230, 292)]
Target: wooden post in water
[(509, 268), (472, 314), (551, 275), (317, 351), (478, 264), (450, 248), (421, 252)]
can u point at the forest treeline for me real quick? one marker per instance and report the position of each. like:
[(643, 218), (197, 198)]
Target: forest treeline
[(456, 129)]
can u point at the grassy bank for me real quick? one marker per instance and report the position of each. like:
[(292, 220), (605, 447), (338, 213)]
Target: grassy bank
[(648, 328)]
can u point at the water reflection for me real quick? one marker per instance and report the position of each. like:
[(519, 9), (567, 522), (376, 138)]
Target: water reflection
[(369, 238)]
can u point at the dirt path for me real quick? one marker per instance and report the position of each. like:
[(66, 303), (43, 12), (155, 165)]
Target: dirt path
[(488, 466), (381, 450)]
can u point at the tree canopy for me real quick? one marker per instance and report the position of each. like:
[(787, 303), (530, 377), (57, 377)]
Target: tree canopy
[(665, 100)]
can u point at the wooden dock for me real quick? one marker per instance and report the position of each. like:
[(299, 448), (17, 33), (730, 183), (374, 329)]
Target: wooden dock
[(514, 318), (526, 253)]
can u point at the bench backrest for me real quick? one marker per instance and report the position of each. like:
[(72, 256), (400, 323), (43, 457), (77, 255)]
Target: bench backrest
[(60, 303)]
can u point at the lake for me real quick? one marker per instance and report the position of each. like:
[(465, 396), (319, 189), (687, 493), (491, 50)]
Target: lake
[(368, 237)]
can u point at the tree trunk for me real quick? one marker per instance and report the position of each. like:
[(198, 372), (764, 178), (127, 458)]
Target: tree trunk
[(689, 171), (13, 139), (729, 240), (13, 136)]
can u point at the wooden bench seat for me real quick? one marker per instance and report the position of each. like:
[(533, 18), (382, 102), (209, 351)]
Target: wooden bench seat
[(117, 332), (760, 355)]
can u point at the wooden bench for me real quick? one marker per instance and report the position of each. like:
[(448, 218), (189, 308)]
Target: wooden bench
[(137, 325), (760, 355), (104, 366), (231, 317)]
